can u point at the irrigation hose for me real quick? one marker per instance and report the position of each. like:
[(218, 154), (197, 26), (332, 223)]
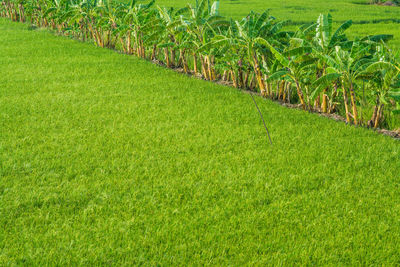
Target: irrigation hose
[(262, 118)]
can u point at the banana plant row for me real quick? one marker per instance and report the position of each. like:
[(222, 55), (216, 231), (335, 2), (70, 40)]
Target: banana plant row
[(315, 66)]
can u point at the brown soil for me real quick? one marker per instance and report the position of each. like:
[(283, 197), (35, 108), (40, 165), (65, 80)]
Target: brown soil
[(388, 3)]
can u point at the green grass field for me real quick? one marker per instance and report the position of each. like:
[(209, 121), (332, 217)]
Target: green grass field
[(106, 159), (368, 19), (301, 10)]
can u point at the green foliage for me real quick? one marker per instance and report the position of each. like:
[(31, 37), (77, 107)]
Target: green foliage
[(106, 159), (317, 59)]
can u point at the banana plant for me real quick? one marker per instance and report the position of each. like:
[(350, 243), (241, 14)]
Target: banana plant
[(385, 76), (253, 32), (174, 35), (58, 13), (108, 14), (228, 53), (138, 19), (252, 53), (347, 66), (202, 19), (14, 10), (324, 43), (296, 64)]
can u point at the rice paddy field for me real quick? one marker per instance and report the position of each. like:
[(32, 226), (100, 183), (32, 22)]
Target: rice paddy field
[(106, 159), (367, 19)]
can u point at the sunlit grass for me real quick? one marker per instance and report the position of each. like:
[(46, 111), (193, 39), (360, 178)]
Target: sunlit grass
[(106, 159), (370, 29), (301, 10), (368, 19)]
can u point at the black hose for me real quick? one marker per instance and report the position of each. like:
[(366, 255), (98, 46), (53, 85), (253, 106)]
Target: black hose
[(262, 118)]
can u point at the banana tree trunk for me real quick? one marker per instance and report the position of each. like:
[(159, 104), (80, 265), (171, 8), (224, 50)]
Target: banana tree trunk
[(123, 45), (143, 49), (138, 53), (184, 63), (346, 107), (98, 37), (234, 80), (166, 55), (195, 63), (180, 59), (153, 54), (379, 116), (240, 78), (300, 94), (268, 86), (173, 56), (325, 101), (252, 84), (286, 92), (281, 90), (332, 105), (213, 73), (353, 103), (259, 78), (209, 68), (129, 43), (21, 13), (204, 67), (94, 37), (225, 75), (246, 79)]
